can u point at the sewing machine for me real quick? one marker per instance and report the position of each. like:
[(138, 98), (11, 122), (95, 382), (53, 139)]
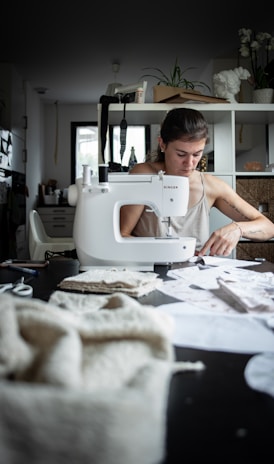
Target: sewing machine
[(96, 229)]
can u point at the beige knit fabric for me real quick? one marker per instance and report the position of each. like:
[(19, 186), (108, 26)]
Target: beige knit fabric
[(84, 378)]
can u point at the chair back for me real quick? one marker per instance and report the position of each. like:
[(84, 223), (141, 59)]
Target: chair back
[(37, 227), (40, 242), (37, 233)]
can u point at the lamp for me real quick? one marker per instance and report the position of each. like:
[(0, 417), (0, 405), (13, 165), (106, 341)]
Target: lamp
[(123, 89), (112, 86), (139, 88)]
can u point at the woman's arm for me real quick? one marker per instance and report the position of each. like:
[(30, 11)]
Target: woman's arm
[(130, 214), (247, 221)]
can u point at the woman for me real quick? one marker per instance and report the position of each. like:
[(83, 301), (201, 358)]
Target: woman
[(181, 143)]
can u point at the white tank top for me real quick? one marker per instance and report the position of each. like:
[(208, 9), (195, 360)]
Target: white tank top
[(194, 224)]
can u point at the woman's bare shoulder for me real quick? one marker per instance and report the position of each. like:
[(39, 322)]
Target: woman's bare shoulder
[(145, 168), (213, 180), (215, 185)]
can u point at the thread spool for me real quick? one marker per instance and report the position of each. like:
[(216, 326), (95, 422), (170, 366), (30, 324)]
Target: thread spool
[(103, 173), (86, 174)]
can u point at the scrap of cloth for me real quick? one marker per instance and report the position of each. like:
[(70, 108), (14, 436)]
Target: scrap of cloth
[(133, 283), (259, 373), (84, 378)]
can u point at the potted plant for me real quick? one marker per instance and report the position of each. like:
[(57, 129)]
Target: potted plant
[(167, 85), (257, 47)]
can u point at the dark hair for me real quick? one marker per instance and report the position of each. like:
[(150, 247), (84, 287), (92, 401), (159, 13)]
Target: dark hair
[(182, 123)]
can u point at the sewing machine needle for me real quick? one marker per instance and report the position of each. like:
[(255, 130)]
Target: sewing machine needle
[(169, 228)]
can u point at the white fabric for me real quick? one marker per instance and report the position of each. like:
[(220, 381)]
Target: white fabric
[(133, 283), (254, 295), (259, 373), (85, 379)]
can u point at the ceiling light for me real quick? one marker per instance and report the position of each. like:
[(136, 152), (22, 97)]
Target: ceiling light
[(115, 67), (41, 90)]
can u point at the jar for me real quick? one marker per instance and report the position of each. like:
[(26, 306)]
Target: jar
[(139, 95)]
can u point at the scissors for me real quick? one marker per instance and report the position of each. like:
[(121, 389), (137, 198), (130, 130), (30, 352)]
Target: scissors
[(19, 288)]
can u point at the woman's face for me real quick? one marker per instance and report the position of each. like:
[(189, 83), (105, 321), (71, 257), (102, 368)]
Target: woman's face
[(182, 157)]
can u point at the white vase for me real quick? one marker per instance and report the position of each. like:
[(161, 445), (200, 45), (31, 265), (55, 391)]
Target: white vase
[(263, 95)]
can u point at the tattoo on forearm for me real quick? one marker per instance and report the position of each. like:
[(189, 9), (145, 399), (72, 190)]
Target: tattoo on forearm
[(244, 218)]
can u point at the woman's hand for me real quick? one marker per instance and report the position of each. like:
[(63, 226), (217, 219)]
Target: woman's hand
[(222, 241)]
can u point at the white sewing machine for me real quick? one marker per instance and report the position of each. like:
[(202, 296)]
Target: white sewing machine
[(96, 229)]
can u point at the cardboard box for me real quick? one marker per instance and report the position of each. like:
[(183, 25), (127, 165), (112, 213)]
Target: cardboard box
[(161, 92), (168, 94)]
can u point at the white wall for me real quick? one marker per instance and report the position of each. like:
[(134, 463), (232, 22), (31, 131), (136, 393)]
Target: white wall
[(34, 144)]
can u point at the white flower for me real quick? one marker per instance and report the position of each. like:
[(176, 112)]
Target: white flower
[(257, 47)]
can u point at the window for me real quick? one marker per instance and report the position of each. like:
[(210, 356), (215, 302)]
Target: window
[(84, 146), (137, 136)]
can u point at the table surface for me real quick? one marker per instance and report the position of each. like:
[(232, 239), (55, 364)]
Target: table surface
[(212, 415)]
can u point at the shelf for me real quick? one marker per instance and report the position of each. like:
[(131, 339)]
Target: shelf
[(153, 113), (224, 121), (254, 174), (247, 240)]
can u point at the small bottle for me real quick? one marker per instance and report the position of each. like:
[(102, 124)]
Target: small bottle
[(132, 159), (57, 196), (139, 95)]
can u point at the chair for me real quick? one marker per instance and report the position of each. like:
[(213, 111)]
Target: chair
[(40, 241)]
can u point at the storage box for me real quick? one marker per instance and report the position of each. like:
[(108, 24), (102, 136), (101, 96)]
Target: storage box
[(161, 92), (259, 192), (251, 250), (50, 200), (168, 94)]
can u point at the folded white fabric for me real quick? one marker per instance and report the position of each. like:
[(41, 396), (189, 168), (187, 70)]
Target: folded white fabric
[(85, 378), (252, 297), (133, 283)]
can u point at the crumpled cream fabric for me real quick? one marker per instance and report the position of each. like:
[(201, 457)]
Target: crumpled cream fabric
[(84, 378), (133, 283)]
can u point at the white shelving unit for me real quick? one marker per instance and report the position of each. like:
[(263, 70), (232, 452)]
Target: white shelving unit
[(241, 133), (225, 118)]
